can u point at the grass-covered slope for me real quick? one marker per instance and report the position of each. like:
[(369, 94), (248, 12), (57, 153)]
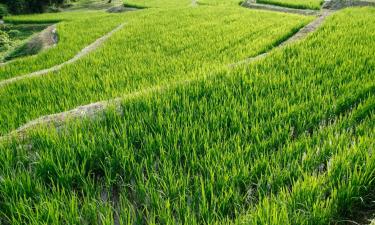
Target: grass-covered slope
[(288, 140), (158, 3), (75, 31), (219, 2), (154, 48), (15, 36), (299, 4)]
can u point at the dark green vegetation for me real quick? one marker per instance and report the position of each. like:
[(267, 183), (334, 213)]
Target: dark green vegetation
[(13, 36), (157, 3), (286, 140), (30, 6), (156, 47), (75, 31)]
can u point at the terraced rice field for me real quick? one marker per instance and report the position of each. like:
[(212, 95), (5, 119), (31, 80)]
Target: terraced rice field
[(194, 137), (143, 54), (75, 32), (299, 4), (158, 3)]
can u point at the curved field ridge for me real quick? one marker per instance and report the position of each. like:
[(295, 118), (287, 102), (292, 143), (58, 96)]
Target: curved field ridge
[(94, 109), (302, 33), (286, 140), (279, 8), (145, 54), (81, 54)]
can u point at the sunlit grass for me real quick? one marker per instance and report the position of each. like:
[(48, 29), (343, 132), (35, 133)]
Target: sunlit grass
[(75, 31), (154, 48), (300, 4), (287, 140)]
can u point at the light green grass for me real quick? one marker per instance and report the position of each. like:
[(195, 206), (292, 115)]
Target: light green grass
[(300, 4), (76, 31), (220, 2), (158, 3), (154, 48), (288, 140)]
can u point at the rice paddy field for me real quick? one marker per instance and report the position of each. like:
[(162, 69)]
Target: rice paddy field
[(299, 4), (214, 122)]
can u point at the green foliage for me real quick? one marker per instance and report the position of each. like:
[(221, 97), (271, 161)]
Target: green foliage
[(157, 3), (30, 6), (75, 32), (299, 4), (5, 41), (220, 2), (288, 139), (18, 35), (3, 10), (168, 46)]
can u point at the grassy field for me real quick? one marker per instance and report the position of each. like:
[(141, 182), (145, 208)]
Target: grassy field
[(17, 35), (300, 4), (286, 140), (75, 31), (219, 2), (158, 3), (170, 46)]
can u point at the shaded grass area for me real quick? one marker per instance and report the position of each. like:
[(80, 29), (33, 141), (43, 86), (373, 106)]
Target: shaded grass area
[(93, 4), (18, 35), (74, 32), (288, 140), (155, 48), (299, 4)]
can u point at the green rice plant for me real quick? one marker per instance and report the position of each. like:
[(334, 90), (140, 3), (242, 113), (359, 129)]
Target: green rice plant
[(220, 2), (156, 47), (157, 3), (74, 33), (283, 141)]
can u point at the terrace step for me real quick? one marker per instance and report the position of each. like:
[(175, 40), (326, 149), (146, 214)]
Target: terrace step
[(337, 4), (253, 5)]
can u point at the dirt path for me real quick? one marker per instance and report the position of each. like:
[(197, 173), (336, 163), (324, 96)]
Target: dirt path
[(254, 5), (95, 110), (88, 49)]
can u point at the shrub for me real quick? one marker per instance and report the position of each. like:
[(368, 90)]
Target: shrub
[(14, 33), (30, 6), (5, 41)]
